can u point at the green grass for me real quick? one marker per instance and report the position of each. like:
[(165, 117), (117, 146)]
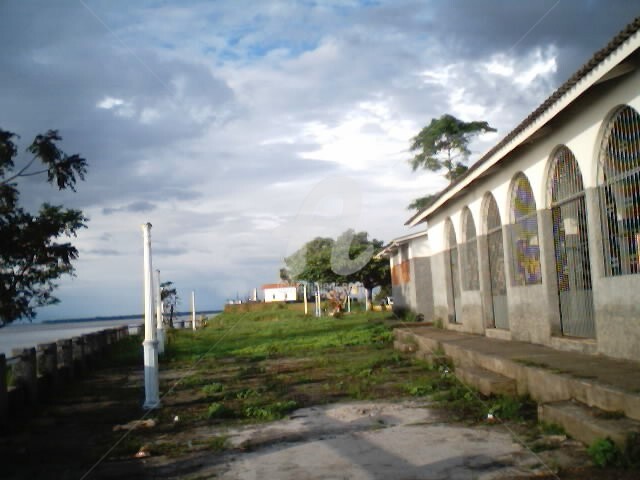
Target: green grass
[(248, 367), (258, 366)]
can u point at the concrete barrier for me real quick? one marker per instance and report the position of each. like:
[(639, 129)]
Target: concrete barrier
[(47, 362), (37, 372), (25, 373)]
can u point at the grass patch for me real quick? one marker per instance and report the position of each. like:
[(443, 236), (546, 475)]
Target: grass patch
[(219, 410), (213, 388)]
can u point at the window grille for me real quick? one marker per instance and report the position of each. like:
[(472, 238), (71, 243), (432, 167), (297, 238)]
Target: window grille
[(470, 277), (620, 194), (496, 265), (524, 234), (453, 270), (571, 245), (569, 216), (493, 215)]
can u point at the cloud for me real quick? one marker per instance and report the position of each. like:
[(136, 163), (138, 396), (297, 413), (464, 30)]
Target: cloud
[(218, 121), (135, 207)]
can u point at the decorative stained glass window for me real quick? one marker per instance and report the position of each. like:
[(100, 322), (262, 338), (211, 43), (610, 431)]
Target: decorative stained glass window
[(524, 234)]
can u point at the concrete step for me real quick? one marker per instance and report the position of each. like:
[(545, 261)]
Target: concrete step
[(588, 424), (485, 381)]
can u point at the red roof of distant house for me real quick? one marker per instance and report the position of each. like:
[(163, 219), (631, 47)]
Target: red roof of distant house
[(269, 286)]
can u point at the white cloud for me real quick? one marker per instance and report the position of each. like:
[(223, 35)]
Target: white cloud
[(109, 102)]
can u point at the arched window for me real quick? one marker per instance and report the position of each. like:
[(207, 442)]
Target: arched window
[(454, 272), (619, 164), (495, 254), (524, 234), (470, 277), (571, 245)]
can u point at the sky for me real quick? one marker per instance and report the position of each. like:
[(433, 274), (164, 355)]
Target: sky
[(242, 129)]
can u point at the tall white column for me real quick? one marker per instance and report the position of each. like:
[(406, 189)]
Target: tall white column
[(193, 310), (159, 323), (150, 344)]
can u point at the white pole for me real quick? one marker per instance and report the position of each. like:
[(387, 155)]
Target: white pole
[(349, 298), (150, 344), (159, 325), (304, 293), (193, 310), (318, 312)]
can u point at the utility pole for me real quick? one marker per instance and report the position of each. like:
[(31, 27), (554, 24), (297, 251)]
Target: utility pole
[(150, 344)]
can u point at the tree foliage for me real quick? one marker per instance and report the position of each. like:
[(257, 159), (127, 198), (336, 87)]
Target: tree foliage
[(168, 294), (348, 259), (31, 257), (444, 145), (422, 202), (169, 298)]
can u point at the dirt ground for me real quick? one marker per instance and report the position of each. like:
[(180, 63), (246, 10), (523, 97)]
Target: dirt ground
[(404, 439), (216, 418)]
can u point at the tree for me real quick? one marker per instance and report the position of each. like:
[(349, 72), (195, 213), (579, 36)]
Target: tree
[(285, 276), (31, 257), (348, 259), (376, 271), (421, 203), (169, 299), (312, 262), (444, 145)]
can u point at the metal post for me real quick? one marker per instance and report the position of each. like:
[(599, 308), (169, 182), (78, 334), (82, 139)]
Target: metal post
[(306, 307), (193, 310), (159, 324), (150, 344), (349, 298)]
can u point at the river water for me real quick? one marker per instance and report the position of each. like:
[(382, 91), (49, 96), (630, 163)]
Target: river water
[(27, 335)]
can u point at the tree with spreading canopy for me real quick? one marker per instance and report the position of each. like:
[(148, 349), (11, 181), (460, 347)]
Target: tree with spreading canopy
[(348, 259), (444, 145), (169, 299), (32, 256)]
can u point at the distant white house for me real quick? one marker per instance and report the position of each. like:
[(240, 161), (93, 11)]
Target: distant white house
[(279, 292)]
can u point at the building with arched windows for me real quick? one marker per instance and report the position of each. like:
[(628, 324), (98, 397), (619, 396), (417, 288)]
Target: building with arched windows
[(540, 240)]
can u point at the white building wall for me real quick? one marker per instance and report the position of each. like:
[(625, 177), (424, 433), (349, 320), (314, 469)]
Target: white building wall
[(579, 127), (281, 294)]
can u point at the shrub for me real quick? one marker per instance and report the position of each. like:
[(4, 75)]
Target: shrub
[(605, 453)]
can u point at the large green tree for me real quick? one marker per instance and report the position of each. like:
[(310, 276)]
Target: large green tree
[(348, 259), (34, 250), (443, 145)]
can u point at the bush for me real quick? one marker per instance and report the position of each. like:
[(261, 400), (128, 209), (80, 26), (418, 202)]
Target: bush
[(605, 453)]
